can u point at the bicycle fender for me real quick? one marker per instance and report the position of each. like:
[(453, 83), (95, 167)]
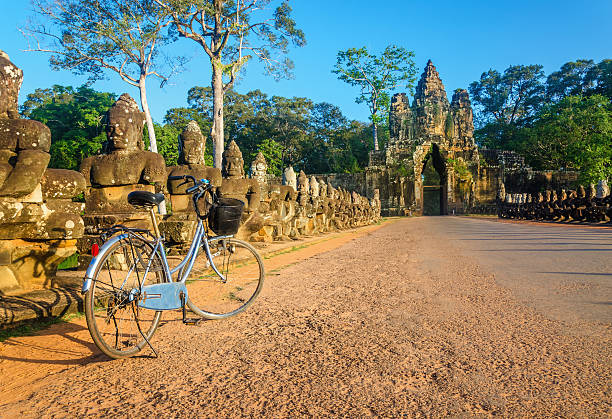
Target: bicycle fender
[(165, 296), (96, 261)]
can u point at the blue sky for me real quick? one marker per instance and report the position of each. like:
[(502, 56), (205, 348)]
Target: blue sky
[(463, 39)]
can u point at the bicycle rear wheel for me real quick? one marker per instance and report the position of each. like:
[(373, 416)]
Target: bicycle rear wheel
[(212, 297), (118, 326)]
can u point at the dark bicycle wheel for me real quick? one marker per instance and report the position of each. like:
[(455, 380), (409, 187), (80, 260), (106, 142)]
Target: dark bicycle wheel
[(212, 297), (118, 326)]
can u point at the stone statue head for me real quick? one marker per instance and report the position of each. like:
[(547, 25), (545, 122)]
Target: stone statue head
[(125, 123), (289, 177), (193, 145), (11, 78), (233, 163), (303, 183), (259, 168), (602, 189), (322, 189), (314, 187)]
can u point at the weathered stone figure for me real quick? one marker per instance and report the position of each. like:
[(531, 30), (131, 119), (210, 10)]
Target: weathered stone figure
[(234, 184), (35, 202), (191, 162), (289, 178), (303, 188), (259, 169), (126, 163), (179, 227), (314, 187), (603, 190)]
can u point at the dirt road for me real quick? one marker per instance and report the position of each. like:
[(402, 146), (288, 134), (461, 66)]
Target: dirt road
[(409, 319)]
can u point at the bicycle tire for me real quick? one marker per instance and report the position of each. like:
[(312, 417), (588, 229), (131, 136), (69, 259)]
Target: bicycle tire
[(213, 299), (107, 305)]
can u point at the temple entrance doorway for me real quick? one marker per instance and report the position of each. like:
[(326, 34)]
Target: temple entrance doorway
[(434, 194)]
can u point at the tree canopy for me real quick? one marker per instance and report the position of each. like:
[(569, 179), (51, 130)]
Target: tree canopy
[(94, 37), (231, 33), (75, 118), (315, 137), (563, 121), (376, 76)]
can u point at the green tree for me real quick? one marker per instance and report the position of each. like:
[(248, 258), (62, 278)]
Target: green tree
[(575, 133), (231, 33), (75, 118), (574, 78), (96, 36), (511, 98), (273, 152), (376, 76)]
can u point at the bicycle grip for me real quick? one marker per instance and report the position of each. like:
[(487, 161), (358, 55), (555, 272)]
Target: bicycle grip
[(192, 188), (176, 177)]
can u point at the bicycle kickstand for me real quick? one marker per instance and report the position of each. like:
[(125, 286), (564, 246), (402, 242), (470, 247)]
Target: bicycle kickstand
[(188, 322)]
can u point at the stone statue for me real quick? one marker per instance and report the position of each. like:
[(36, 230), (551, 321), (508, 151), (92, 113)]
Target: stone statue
[(314, 187), (259, 169), (303, 188), (179, 227), (603, 190), (191, 162), (322, 189), (126, 163), (38, 220), (234, 184), (289, 178)]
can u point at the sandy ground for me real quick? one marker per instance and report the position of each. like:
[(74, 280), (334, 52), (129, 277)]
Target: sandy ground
[(400, 320)]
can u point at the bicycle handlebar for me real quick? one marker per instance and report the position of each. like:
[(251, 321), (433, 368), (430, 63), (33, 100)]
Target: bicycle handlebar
[(197, 184)]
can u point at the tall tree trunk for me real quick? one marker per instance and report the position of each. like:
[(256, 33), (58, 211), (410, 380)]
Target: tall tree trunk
[(375, 133), (147, 112), (216, 131)]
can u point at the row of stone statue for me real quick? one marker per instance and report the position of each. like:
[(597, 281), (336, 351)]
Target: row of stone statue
[(593, 204), (41, 225), (273, 211)]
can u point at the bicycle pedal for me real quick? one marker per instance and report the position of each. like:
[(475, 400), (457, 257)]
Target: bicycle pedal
[(192, 322)]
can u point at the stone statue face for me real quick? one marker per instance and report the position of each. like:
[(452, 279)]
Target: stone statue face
[(125, 123), (193, 144), (232, 167)]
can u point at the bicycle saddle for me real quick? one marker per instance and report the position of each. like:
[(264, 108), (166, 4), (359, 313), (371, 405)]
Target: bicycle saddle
[(144, 198)]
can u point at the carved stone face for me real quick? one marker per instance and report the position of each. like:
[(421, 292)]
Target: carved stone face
[(193, 144), (125, 123), (233, 163)]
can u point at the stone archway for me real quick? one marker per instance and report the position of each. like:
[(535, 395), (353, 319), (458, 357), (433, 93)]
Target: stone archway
[(434, 183)]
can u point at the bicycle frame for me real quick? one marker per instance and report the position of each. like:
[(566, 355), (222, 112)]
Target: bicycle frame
[(200, 237)]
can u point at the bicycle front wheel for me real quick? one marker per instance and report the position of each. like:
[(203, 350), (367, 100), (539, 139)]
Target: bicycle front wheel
[(213, 297), (118, 326)]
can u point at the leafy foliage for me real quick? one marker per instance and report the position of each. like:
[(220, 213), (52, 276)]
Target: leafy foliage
[(75, 118), (316, 137), (562, 123), (231, 33)]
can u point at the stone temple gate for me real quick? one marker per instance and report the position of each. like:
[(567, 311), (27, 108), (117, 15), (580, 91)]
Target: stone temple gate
[(431, 162)]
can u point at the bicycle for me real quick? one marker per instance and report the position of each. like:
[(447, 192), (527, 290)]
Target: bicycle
[(129, 283)]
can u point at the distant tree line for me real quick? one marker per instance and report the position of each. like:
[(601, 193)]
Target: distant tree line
[(563, 121), (315, 137)]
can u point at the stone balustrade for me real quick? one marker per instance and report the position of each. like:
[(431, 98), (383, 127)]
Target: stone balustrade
[(592, 204)]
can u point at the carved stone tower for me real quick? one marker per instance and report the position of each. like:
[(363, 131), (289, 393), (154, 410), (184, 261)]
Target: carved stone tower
[(431, 160)]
